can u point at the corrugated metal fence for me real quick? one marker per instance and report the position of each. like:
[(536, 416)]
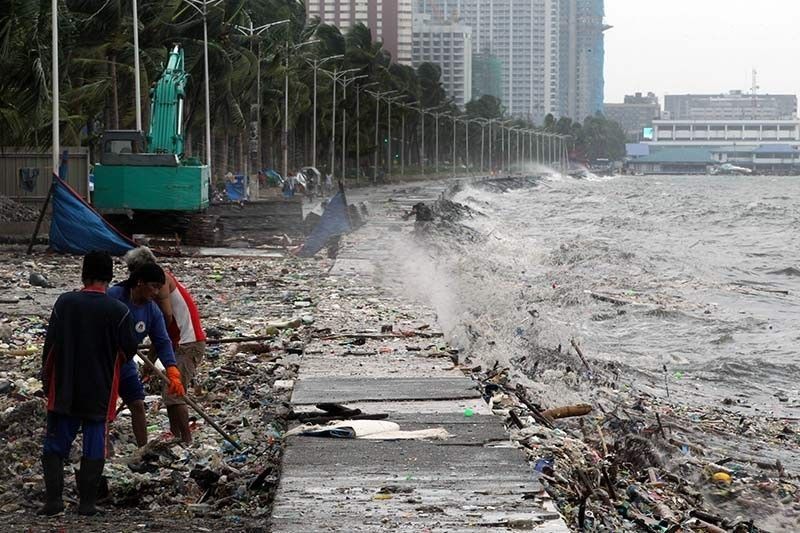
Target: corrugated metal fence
[(25, 172)]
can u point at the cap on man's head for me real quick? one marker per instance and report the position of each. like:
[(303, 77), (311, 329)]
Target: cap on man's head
[(97, 266)]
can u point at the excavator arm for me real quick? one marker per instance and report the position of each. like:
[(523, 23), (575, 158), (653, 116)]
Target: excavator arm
[(166, 109)]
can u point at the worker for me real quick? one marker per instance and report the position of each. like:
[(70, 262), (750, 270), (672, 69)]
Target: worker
[(185, 332), (89, 337), (138, 293)]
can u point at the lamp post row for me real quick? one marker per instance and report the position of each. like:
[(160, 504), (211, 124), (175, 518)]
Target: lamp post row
[(556, 145)]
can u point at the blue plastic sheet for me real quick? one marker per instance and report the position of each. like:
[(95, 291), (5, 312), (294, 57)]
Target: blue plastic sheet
[(335, 221), (76, 228), (236, 190)]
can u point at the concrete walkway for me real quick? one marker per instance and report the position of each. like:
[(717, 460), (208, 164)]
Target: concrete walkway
[(474, 480)]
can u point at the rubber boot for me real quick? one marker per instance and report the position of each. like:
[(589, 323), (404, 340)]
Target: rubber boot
[(53, 467), (89, 480)]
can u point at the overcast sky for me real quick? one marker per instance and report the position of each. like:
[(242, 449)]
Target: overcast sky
[(691, 46)]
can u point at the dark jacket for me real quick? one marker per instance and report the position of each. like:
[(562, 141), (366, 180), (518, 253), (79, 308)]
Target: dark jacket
[(90, 335)]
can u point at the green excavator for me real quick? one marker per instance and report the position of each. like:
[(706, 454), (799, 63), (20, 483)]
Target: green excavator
[(146, 184)]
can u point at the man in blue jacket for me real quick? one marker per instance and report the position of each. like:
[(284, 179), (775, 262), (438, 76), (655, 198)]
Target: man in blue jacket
[(137, 293), (89, 337)]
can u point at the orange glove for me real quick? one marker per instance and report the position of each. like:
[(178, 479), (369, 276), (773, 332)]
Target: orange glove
[(175, 386)]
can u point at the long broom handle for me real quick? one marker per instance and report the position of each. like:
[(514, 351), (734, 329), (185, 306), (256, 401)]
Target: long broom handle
[(192, 403)]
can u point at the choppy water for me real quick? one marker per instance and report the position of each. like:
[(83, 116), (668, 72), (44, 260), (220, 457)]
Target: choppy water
[(696, 257)]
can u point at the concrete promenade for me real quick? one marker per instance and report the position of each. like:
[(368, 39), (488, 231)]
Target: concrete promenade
[(474, 480)]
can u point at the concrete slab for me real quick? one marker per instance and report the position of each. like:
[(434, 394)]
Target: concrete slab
[(374, 364), (350, 389)]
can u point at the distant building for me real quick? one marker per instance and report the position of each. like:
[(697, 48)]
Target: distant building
[(389, 20), (448, 45), (725, 132), (735, 105), (690, 146), (519, 36), (582, 56), (635, 114)]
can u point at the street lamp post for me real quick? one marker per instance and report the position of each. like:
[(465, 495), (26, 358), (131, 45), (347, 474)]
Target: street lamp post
[(491, 145), (56, 111), (422, 154), (136, 80), (454, 144), (358, 126), (466, 143), (201, 6), (316, 63), (285, 139), (377, 95), (389, 102), (334, 76), (345, 82), (252, 32)]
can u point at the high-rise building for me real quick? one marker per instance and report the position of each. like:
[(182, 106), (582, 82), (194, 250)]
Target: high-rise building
[(582, 57), (389, 20), (735, 105), (520, 36), (448, 45), (551, 52)]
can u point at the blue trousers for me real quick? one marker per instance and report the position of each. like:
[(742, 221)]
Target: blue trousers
[(62, 430), (130, 386)]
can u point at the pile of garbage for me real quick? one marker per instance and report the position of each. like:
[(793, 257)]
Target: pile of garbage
[(258, 315), (12, 211), (635, 462)]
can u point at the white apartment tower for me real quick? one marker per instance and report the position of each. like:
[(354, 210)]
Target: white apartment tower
[(550, 52), (524, 36), (448, 45), (389, 20)]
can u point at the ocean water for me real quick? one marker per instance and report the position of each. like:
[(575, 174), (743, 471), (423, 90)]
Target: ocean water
[(690, 280)]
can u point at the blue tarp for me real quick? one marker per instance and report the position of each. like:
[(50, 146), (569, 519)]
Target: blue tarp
[(236, 190), (76, 228), (334, 221)]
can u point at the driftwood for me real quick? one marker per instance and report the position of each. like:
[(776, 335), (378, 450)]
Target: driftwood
[(567, 411), (580, 354), (537, 414)]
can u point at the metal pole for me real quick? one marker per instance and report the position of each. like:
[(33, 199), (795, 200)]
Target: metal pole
[(377, 113), (208, 91), (333, 127), (437, 142), (136, 79), (454, 145), (403, 145), (466, 142), (483, 131), (55, 82), (314, 128), (389, 137), (491, 145), (358, 133), (422, 152), (502, 146), (286, 116), (344, 125)]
